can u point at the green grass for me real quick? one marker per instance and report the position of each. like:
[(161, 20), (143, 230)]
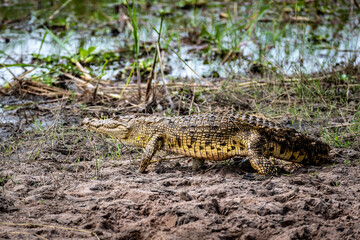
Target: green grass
[(327, 106)]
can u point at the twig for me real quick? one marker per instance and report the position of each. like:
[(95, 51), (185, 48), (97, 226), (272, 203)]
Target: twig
[(163, 79), (180, 102), (138, 79), (10, 71), (203, 79), (192, 101), (58, 10), (27, 233), (48, 226), (173, 50), (357, 4), (340, 125), (214, 165), (149, 80), (86, 76), (21, 76), (99, 79), (226, 57), (122, 92), (11, 58), (96, 88), (148, 88), (38, 88), (78, 80), (169, 85)]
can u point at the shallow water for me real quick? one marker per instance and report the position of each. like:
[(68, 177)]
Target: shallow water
[(290, 47)]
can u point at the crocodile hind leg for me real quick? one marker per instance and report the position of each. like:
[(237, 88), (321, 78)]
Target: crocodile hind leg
[(262, 164), (156, 143), (197, 164)]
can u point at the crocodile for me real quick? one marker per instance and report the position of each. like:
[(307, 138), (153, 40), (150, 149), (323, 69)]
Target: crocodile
[(214, 137)]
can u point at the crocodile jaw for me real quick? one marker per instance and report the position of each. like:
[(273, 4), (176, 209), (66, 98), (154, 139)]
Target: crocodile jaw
[(111, 127)]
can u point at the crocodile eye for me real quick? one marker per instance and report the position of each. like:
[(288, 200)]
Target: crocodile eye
[(109, 123)]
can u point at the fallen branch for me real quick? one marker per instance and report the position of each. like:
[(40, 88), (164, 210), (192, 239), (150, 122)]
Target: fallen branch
[(31, 225)]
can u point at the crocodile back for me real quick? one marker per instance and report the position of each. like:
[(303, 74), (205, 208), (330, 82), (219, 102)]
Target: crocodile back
[(206, 136), (215, 136)]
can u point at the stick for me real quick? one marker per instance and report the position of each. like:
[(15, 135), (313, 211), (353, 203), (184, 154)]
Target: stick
[(162, 77)]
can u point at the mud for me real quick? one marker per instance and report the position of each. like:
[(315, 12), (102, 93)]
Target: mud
[(62, 182)]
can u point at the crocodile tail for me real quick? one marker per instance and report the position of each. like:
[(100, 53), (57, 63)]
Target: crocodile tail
[(321, 151), (289, 144)]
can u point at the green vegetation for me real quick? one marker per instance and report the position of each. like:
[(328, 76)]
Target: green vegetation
[(284, 60)]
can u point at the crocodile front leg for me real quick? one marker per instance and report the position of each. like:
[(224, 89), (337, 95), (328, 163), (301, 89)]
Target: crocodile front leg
[(156, 143), (256, 148)]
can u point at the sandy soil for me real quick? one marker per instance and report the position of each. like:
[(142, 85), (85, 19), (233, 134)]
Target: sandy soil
[(50, 189)]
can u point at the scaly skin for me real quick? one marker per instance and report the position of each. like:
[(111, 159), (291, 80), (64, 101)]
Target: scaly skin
[(214, 137)]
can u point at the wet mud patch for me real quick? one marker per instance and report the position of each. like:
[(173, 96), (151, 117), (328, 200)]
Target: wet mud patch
[(75, 187)]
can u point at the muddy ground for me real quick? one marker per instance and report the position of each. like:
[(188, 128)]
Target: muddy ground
[(52, 189)]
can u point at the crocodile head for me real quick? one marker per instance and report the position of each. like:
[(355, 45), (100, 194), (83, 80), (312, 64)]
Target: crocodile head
[(111, 127)]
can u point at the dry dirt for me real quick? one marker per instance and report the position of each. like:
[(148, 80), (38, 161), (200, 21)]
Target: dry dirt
[(50, 189)]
